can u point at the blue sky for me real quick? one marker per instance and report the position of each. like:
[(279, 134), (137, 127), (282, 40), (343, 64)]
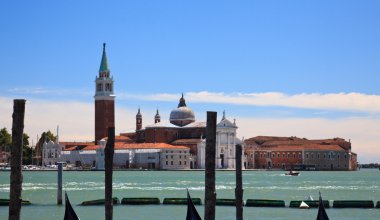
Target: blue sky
[(267, 62)]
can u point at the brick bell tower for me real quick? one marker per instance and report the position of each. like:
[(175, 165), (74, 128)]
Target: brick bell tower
[(104, 100)]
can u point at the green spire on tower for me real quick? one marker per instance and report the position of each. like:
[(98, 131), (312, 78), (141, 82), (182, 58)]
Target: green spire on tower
[(104, 64)]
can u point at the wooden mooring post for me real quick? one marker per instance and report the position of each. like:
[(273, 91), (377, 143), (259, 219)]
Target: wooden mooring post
[(210, 193), (59, 188), (239, 183), (108, 157), (16, 159)]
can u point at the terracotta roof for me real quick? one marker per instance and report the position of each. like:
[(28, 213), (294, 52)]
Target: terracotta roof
[(91, 147), (120, 146), (303, 147), (70, 144), (120, 138), (71, 148), (147, 146), (187, 141), (270, 141)]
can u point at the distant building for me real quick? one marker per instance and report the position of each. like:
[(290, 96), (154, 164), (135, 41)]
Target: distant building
[(226, 141), (184, 130), (265, 152), (51, 152), (130, 155)]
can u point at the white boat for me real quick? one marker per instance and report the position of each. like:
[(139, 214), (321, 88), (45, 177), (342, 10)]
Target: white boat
[(304, 205)]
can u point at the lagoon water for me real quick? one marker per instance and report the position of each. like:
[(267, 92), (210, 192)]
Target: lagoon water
[(41, 189)]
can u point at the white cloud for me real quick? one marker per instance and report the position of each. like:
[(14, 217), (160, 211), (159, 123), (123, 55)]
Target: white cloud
[(26, 91), (75, 119), (332, 101)]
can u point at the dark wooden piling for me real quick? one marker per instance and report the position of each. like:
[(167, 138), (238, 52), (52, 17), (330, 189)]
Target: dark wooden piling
[(16, 159), (108, 157), (59, 188), (239, 183), (210, 194)]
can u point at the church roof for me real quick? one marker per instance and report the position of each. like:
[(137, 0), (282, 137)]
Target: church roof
[(226, 123), (197, 124), (104, 63), (186, 141), (182, 115), (161, 125)]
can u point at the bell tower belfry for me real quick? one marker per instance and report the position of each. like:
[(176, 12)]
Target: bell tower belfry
[(104, 99), (138, 120), (157, 117)]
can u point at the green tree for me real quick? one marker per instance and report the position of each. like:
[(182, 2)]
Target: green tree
[(5, 140), (26, 150), (45, 137)]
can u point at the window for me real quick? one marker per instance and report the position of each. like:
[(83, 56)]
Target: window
[(307, 155), (180, 163), (288, 155), (300, 155), (184, 162), (166, 162), (171, 156), (283, 155), (185, 156), (167, 156), (180, 157), (312, 156), (318, 156), (278, 155), (171, 162), (294, 155)]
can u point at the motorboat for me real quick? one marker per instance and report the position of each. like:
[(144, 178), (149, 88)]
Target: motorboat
[(291, 173)]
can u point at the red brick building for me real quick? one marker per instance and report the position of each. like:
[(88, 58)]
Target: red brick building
[(265, 152)]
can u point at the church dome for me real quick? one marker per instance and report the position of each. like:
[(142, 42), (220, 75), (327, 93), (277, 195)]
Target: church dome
[(182, 115)]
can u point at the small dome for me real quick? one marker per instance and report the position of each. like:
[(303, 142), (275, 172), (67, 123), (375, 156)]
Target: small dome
[(182, 115)]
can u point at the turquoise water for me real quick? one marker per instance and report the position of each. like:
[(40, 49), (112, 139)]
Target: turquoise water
[(41, 189)]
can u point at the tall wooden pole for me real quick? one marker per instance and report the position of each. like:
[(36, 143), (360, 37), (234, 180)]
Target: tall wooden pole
[(210, 194), (16, 159), (239, 183), (108, 157), (59, 188)]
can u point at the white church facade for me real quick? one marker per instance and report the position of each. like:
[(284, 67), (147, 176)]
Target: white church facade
[(226, 141)]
